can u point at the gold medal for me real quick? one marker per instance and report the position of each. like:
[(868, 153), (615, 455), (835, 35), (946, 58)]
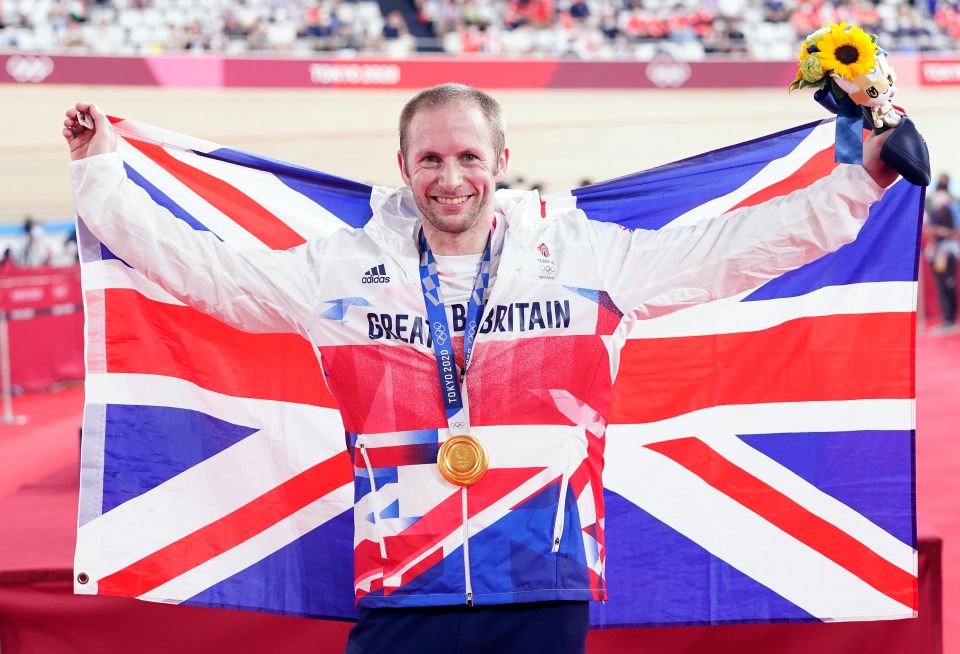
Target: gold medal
[(462, 460)]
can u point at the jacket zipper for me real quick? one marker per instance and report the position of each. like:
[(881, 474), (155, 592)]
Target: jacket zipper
[(466, 549), (373, 500), (561, 506)]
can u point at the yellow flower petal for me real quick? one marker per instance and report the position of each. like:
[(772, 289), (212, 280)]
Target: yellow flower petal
[(847, 51)]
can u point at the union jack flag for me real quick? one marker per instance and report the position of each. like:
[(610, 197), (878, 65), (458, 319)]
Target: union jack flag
[(759, 456)]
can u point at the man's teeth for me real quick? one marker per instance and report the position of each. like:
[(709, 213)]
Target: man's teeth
[(458, 200)]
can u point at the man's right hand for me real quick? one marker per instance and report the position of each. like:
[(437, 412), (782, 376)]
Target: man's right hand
[(86, 142)]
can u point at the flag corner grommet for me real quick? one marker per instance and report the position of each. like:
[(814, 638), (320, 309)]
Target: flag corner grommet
[(83, 578)]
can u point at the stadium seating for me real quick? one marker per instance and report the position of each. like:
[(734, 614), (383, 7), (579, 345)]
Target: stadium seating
[(586, 29)]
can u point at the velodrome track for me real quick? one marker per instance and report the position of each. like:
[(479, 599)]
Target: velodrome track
[(556, 138)]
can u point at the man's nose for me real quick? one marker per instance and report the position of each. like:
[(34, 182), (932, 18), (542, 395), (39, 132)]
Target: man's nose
[(451, 176)]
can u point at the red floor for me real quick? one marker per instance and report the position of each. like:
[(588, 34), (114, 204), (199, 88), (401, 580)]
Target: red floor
[(938, 464), (31, 454)]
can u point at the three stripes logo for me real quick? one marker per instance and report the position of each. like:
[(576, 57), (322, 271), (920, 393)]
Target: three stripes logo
[(376, 275)]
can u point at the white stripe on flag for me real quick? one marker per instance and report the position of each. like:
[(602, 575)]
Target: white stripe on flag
[(285, 446), (205, 213), (299, 212), (111, 273), (251, 551), (162, 136), (768, 418), (731, 315), (813, 499), (743, 539), (776, 171)]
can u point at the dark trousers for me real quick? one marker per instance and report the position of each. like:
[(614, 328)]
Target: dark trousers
[(534, 628), (947, 291)]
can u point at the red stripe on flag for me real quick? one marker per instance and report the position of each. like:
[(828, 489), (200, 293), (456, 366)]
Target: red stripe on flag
[(237, 206), (819, 165), (231, 530), (154, 338), (781, 511), (842, 357)]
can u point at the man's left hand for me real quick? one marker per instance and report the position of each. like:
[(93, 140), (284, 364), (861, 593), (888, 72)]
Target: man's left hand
[(881, 173)]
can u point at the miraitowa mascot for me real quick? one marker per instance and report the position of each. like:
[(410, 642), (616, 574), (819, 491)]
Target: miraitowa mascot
[(855, 80)]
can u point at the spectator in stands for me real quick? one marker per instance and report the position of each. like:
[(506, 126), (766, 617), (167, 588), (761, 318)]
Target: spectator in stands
[(942, 228), (396, 39), (7, 262), (33, 252)]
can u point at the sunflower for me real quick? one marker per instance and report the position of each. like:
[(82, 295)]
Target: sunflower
[(847, 51)]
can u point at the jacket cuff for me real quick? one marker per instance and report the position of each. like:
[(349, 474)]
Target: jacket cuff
[(860, 183), (93, 180)]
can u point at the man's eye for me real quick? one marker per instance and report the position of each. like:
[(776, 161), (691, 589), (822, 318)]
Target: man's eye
[(430, 158), (470, 157)]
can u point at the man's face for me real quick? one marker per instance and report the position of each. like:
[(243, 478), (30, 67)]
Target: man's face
[(451, 166)]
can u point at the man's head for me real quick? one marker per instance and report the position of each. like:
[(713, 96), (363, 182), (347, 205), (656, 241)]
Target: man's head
[(452, 154), (450, 93), (943, 182)]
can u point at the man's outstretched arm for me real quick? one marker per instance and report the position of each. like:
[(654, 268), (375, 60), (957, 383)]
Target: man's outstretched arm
[(254, 290), (658, 272)]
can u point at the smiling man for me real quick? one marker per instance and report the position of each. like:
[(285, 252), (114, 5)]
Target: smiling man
[(475, 379)]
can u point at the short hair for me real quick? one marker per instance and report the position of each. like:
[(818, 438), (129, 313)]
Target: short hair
[(450, 93)]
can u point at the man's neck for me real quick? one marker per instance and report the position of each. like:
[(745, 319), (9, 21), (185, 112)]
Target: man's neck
[(453, 244)]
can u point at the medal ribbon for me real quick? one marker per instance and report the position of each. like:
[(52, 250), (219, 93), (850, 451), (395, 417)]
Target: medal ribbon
[(454, 396)]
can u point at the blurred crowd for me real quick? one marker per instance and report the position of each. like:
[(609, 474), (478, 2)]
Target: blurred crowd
[(588, 29), (941, 230), (33, 247)]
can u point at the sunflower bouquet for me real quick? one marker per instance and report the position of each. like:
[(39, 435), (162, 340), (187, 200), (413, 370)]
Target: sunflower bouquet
[(844, 50), (845, 61), (855, 81)]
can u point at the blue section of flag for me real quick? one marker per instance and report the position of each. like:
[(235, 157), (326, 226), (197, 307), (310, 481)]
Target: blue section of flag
[(878, 255), (160, 198), (163, 199), (347, 200), (147, 445), (656, 572), (849, 466), (107, 254), (285, 581), (653, 198)]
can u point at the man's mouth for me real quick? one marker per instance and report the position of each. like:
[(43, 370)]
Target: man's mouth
[(460, 199)]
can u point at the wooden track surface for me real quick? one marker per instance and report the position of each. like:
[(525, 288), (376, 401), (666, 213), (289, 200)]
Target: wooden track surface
[(556, 138)]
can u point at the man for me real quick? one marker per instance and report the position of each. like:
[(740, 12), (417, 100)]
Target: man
[(478, 458), (942, 224)]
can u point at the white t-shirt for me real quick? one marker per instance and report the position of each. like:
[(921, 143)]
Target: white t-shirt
[(457, 275)]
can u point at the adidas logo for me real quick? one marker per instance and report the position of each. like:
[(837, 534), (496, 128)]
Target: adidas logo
[(376, 275)]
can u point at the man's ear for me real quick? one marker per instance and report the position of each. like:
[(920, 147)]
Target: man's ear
[(502, 165), (403, 168)]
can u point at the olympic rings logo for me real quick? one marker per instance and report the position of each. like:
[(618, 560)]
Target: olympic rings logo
[(472, 331), (29, 68), (439, 333)]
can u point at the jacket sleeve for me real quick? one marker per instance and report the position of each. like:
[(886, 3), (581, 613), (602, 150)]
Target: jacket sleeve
[(252, 290), (654, 272)]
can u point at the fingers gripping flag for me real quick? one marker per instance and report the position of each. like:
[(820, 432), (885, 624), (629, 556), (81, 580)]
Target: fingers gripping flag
[(759, 453)]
